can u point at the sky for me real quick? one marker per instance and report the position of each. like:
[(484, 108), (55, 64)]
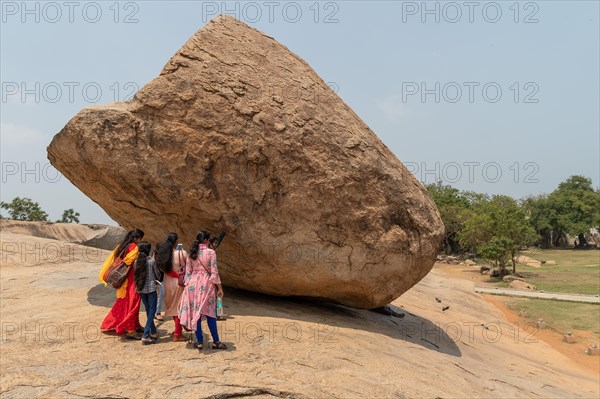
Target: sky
[(496, 97)]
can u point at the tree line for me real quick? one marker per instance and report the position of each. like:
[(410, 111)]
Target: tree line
[(28, 210), (496, 227)]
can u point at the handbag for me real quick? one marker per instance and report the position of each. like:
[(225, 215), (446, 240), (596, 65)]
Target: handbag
[(181, 275), (116, 274)]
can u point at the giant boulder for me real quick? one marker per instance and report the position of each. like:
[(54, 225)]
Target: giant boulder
[(241, 135)]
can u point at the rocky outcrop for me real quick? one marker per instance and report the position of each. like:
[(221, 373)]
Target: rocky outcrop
[(91, 235), (521, 285), (241, 135), (526, 260)]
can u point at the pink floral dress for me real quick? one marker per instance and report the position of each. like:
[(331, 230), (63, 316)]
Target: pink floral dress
[(200, 294)]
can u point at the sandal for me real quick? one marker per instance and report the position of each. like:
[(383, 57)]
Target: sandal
[(133, 336), (219, 345), (199, 347), (190, 344), (180, 338)]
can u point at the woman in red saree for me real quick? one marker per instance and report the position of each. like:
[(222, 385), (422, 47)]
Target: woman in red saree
[(124, 317)]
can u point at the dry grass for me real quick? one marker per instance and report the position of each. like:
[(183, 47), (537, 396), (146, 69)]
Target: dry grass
[(576, 271), (563, 316)]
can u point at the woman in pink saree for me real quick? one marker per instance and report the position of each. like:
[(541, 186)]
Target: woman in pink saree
[(202, 286)]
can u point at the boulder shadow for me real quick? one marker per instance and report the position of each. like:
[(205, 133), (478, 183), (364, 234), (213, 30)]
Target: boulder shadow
[(102, 296), (328, 317)]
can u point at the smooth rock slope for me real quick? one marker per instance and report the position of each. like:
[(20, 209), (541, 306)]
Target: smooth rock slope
[(91, 235), (239, 134), (279, 347)]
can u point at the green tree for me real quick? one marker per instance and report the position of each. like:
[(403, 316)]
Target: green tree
[(497, 250), (476, 231), (576, 207), (24, 209), (541, 216), (497, 229), (474, 198), (573, 208), (69, 216), (454, 210)]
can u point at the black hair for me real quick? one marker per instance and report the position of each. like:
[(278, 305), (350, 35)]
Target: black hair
[(200, 238), (164, 253), (128, 239), (172, 238), (213, 240), (141, 264)]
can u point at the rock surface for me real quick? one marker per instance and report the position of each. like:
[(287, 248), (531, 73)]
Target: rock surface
[(534, 263), (91, 235), (510, 278), (521, 285), (239, 134), (279, 348)]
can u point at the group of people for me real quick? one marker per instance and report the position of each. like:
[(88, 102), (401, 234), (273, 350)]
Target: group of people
[(154, 274)]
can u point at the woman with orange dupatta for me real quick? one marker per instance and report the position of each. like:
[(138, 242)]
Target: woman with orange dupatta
[(124, 317)]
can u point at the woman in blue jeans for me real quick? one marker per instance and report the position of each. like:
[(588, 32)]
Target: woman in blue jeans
[(146, 276)]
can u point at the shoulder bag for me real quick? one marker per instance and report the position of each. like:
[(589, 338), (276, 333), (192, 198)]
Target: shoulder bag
[(116, 274)]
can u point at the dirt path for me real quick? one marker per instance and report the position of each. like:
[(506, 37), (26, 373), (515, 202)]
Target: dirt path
[(574, 352), (539, 295), (51, 346), (553, 338)]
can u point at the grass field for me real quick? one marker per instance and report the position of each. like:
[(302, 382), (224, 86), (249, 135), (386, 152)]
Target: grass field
[(562, 316), (576, 271)]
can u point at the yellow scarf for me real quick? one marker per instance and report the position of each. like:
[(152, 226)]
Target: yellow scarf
[(129, 259)]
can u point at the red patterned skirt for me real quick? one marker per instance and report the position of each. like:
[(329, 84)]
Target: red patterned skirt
[(125, 313)]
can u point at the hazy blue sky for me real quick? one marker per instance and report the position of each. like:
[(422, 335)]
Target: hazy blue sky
[(517, 83)]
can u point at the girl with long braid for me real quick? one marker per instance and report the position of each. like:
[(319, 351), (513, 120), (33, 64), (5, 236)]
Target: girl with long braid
[(146, 276), (170, 259)]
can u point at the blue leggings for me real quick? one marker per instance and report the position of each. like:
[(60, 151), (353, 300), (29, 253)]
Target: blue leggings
[(212, 326)]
